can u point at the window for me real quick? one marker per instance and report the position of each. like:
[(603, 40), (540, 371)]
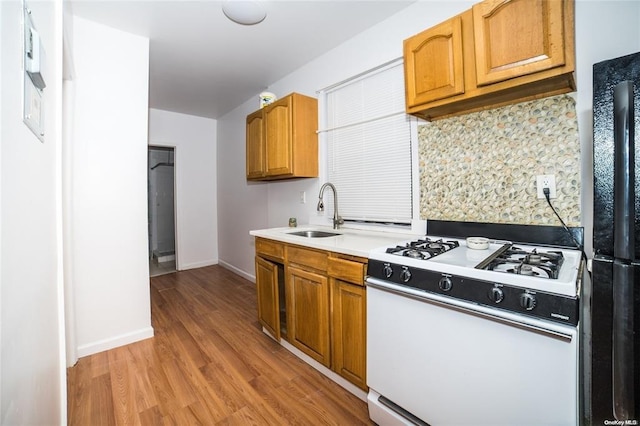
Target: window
[(368, 140)]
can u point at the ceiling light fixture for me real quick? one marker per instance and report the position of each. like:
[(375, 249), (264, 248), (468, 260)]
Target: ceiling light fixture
[(245, 12)]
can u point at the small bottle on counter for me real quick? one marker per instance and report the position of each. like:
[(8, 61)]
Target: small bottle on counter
[(293, 222)]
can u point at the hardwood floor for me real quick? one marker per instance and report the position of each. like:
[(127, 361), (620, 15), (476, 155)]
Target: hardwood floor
[(209, 363)]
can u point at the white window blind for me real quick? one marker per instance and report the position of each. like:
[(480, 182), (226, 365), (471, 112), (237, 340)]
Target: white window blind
[(368, 139)]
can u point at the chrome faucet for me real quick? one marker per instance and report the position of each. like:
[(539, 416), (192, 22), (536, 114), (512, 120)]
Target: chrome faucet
[(337, 220)]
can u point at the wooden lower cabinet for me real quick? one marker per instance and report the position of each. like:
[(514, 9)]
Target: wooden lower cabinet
[(268, 275), (349, 317), (316, 301), (308, 313)]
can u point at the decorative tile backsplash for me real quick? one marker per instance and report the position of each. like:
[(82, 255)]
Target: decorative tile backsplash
[(482, 167)]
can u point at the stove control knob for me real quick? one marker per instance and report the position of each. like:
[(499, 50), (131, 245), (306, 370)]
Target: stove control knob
[(405, 275), (496, 295), (387, 270), (527, 301), (445, 284)]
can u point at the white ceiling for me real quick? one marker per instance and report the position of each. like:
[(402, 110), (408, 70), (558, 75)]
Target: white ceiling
[(203, 64)]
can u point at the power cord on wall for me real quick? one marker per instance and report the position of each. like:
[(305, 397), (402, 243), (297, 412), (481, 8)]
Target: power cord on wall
[(579, 246)]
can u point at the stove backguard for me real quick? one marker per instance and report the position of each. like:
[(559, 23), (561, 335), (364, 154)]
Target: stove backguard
[(543, 235)]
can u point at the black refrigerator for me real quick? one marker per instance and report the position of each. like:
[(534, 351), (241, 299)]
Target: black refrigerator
[(611, 327)]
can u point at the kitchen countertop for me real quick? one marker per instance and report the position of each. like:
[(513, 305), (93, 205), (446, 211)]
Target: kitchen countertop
[(354, 242)]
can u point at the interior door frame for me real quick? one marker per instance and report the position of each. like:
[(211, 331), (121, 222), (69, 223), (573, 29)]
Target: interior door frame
[(176, 219)]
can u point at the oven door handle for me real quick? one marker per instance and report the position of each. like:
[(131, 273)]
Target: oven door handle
[(462, 307)]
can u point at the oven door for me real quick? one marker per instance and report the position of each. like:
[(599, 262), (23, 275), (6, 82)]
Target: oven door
[(455, 363)]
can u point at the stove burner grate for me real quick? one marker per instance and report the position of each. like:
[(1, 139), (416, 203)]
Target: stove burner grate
[(531, 263), (423, 248)]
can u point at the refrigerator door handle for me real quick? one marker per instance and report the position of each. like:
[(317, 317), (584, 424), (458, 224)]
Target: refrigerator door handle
[(624, 166), (622, 351)]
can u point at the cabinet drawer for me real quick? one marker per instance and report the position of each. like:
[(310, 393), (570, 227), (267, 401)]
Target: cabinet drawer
[(269, 248), (311, 258), (346, 270)]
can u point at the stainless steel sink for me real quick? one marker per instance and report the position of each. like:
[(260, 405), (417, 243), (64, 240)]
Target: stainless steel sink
[(314, 234)]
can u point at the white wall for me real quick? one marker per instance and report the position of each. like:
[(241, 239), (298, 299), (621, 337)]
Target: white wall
[(194, 139), (32, 385), (244, 206), (109, 187), (604, 30)]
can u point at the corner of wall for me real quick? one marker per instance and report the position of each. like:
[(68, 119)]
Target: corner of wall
[(115, 341)]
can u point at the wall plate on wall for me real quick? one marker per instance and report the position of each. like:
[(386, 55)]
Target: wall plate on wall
[(33, 114), (32, 81)]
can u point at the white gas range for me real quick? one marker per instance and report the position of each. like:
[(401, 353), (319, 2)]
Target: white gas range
[(472, 336)]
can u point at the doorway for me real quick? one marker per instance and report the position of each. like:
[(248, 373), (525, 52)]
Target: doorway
[(162, 229)]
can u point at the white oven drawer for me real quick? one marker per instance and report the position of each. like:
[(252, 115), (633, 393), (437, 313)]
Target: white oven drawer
[(452, 366)]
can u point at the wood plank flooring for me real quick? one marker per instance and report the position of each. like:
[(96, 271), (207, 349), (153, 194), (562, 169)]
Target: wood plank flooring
[(208, 364)]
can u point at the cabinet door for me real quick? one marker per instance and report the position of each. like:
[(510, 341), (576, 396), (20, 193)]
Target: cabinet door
[(267, 277), (308, 313), (434, 63), (517, 37), (349, 314), (278, 138), (255, 146)]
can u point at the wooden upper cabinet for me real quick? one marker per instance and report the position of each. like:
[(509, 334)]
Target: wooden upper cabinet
[(433, 63), (512, 51), (281, 139), (517, 37), (278, 138), (255, 146)]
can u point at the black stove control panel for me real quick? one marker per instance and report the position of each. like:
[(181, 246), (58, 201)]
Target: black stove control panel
[(547, 306)]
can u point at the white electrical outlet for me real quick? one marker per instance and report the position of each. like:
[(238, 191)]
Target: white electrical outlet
[(546, 181), (303, 197)]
